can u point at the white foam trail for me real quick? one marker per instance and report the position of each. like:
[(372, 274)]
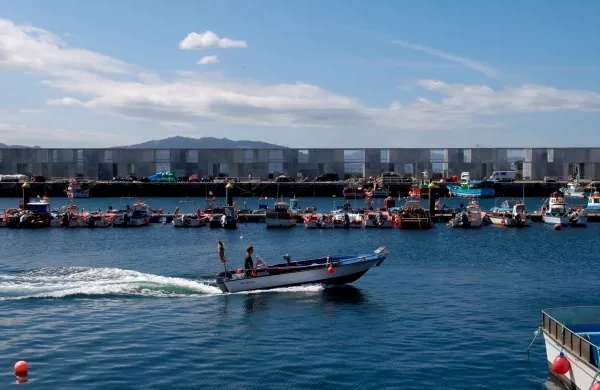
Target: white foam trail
[(310, 288), (63, 282)]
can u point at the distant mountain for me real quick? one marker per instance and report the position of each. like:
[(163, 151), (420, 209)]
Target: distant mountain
[(201, 143), (5, 146)]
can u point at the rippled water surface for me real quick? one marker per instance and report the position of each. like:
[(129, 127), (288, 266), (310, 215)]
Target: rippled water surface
[(135, 308)]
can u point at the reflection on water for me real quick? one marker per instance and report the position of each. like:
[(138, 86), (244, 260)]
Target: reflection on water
[(344, 294), (255, 302)]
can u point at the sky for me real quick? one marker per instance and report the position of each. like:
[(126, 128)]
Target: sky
[(302, 74)]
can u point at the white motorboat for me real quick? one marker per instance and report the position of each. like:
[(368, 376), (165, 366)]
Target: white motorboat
[(318, 221), (556, 211), (329, 270), (281, 215), (572, 339), (469, 218), (511, 213)]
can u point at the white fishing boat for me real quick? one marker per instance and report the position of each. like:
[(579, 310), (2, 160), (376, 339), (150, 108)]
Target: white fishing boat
[(75, 190), (593, 202), (318, 221), (574, 189), (378, 219), (471, 217), (188, 219), (348, 220), (138, 215), (572, 339), (556, 211), (281, 215), (511, 213), (329, 270)]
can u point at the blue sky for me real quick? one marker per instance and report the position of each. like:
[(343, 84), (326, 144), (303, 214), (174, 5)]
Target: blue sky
[(301, 73)]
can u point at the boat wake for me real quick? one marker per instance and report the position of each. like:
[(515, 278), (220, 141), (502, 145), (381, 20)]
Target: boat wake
[(79, 281)]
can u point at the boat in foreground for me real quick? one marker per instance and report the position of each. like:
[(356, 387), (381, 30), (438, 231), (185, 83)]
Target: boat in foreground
[(572, 338), (329, 270)]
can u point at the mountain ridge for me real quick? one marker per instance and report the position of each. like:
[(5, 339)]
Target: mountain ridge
[(179, 142)]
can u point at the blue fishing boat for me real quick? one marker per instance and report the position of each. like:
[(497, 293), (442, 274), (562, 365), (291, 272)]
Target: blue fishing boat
[(473, 189)]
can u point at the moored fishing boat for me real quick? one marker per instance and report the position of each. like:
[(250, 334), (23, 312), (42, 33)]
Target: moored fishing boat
[(354, 191), (380, 219), (478, 189), (593, 203), (471, 217), (511, 213), (188, 219), (280, 216), (75, 190), (318, 221), (554, 210), (572, 339), (329, 270), (412, 215)]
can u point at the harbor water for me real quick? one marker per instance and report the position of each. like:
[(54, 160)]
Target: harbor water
[(136, 308)]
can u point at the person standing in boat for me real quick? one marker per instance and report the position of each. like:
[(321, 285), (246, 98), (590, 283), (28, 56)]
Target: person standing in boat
[(248, 263), (221, 251)]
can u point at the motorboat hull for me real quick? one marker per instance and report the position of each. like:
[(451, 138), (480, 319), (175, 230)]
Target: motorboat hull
[(345, 270)]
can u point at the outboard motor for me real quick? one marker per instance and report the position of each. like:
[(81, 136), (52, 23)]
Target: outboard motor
[(223, 220), (91, 221), (320, 222), (518, 220), (379, 219), (346, 220), (287, 258), (221, 276), (464, 219)]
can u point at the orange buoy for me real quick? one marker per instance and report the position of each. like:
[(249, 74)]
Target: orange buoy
[(558, 226), (561, 365), (21, 368), (330, 269), (595, 386)]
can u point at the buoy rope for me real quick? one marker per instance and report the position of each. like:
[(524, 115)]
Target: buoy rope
[(535, 335)]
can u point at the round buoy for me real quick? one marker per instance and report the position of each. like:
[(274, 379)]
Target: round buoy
[(595, 386), (558, 226), (561, 365), (21, 368), (330, 269), (254, 274), (240, 271)]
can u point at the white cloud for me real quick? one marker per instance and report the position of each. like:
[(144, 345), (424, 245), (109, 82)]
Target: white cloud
[(208, 60), (66, 101), (208, 39), (468, 62), (191, 99), (29, 48)]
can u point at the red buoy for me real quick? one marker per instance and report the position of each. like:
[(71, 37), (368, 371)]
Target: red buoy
[(21, 368), (595, 386), (254, 274), (558, 226), (330, 269), (240, 271), (561, 365)]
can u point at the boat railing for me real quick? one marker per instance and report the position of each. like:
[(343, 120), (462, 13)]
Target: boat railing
[(572, 341)]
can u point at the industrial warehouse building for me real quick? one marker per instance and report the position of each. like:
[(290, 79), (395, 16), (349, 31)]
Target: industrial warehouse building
[(104, 164)]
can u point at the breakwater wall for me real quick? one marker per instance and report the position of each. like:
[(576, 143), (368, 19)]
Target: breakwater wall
[(263, 189)]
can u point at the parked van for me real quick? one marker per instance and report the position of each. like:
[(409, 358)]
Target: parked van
[(503, 176), (465, 177)]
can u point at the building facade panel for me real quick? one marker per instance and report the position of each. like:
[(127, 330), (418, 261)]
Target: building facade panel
[(106, 163)]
